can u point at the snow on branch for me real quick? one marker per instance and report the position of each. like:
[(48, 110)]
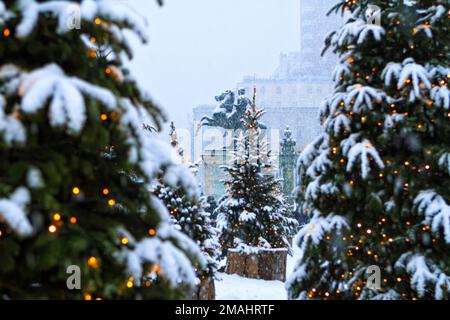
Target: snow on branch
[(338, 124), (170, 249), (428, 18), (441, 96), (391, 120), (444, 162), (320, 163), (167, 232), (311, 150), (247, 216), (341, 70), (4, 13), (331, 104), (416, 266), (314, 231), (434, 13), (11, 129), (115, 11), (348, 143), (358, 30), (424, 273), (152, 154), (363, 151), (388, 295), (49, 83), (436, 211), (440, 93), (12, 211), (359, 95), (407, 73), (315, 189), (376, 31), (175, 266)]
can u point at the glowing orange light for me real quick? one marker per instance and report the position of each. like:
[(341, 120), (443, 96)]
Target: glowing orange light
[(105, 191), (156, 268), (92, 262), (76, 190), (111, 202), (92, 53), (57, 217), (6, 32), (73, 220), (104, 117)]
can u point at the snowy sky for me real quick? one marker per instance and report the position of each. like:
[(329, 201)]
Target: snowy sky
[(198, 48)]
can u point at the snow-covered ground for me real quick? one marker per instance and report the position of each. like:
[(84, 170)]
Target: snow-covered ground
[(234, 287)]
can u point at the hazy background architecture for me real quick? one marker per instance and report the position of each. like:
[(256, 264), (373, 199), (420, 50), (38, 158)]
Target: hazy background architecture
[(291, 96), (219, 45), (199, 47)]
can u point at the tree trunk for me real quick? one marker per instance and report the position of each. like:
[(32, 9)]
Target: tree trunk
[(206, 290), (267, 264)]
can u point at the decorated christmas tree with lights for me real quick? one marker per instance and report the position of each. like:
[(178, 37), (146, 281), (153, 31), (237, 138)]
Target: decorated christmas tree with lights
[(75, 163), (376, 182), (254, 213), (188, 214)]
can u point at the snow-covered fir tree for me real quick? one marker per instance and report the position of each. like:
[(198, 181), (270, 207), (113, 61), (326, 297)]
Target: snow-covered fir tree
[(74, 160), (376, 182), (188, 213), (254, 213)]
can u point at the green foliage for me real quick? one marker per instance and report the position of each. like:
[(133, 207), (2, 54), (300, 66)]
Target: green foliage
[(188, 214), (111, 193), (403, 127), (253, 212)]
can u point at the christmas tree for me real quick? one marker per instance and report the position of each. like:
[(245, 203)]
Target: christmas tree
[(254, 213), (375, 180), (188, 213), (75, 161)]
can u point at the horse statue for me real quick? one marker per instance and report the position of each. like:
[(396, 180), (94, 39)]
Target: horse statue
[(230, 112)]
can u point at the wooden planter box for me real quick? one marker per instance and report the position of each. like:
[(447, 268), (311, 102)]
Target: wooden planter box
[(206, 290), (267, 264)]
